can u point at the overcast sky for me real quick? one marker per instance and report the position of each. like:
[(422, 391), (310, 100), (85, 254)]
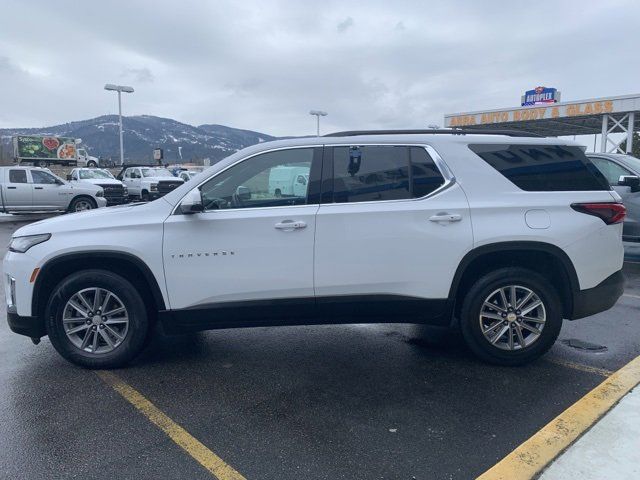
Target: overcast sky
[(370, 64)]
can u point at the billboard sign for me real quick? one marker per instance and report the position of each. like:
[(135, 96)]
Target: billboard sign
[(29, 147), (540, 96)]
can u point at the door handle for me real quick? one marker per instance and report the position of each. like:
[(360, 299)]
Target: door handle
[(290, 225), (11, 188), (446, 217), (38, 188)]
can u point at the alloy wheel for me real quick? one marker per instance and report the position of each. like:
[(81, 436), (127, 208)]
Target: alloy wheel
[(95, 320), (82, 205), (512, 317)]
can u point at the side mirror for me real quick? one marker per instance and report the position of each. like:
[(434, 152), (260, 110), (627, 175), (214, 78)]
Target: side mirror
[(631, 181), (243, 193), (192, 203), (68, 178)]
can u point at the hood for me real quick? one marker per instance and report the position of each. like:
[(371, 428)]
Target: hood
[(163, 179), (100, 218), (99, 181), (84, 187)]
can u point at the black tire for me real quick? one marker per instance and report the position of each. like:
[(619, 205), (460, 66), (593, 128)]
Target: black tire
[(144, 196), (75, 204), (474, 301), (42, 164), (91, 164), (278, 193), (138, 327)]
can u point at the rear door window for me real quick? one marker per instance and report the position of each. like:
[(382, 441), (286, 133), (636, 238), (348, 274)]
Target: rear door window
[(543, 168), (17, 176), (382, 172)]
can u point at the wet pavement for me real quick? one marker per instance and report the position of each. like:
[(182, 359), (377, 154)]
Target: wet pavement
[(321, 402)]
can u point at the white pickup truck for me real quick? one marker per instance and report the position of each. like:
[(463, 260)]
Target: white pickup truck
[(115, 191), (34, 189), (148, 183)]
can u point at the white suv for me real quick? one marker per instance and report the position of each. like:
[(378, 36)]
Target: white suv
[(499, 236)]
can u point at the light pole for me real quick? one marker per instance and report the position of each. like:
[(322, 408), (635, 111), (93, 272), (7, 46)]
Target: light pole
[(318, 114), (119, 89)]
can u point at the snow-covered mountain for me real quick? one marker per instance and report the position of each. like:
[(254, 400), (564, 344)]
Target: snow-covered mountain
[(144, 133)]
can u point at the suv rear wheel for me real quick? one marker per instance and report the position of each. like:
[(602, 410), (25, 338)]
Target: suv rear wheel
[(511, 316), (97, 319)]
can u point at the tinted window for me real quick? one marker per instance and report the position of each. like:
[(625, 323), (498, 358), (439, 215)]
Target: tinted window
[(425, 176), (42, 177), (267, 180), (611, 170), (543, 168), (17, 176), (363, 174), (376, 173)]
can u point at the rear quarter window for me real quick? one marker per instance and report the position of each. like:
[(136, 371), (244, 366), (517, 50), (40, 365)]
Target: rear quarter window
[(543, 168)]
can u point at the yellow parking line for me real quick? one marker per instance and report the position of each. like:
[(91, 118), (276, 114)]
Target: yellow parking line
[(530, 458), (179, 435), (581, 367)]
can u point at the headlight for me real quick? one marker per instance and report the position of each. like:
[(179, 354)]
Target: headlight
[(22, 244), (153, 186), (100, 193)]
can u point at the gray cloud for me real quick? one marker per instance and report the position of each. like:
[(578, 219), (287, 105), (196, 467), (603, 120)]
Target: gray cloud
[(245, 65), (344, 25), (140, 75)]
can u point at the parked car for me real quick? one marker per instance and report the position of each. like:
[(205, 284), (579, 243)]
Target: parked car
[(34, 189), (115, 191), (148, 183), (623, 174), (498, 236)]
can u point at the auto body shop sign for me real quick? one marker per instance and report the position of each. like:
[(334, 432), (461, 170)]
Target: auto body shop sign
[(540, 112)]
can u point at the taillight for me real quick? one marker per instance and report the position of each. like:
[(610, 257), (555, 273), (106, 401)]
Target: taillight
[(610, 213)]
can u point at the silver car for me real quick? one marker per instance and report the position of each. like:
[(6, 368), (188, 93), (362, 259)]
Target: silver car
[(623, 174)]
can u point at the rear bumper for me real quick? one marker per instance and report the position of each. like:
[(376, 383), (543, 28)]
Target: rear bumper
[(599, 298), (29, 326)]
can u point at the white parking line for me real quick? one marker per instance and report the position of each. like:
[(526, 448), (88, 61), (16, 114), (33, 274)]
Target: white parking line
[(631, 295)]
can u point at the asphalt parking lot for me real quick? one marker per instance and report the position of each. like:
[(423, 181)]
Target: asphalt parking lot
[(321, 402)]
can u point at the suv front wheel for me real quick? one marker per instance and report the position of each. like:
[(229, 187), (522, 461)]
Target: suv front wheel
[(97, 319), (511, 316)]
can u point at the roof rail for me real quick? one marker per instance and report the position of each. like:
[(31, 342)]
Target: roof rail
[(454, 131)]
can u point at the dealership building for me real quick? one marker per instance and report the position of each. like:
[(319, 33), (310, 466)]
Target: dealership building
[(541, 112)]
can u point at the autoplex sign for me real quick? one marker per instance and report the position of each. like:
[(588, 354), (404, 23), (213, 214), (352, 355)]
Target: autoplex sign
[(540, 96), (533, 113)]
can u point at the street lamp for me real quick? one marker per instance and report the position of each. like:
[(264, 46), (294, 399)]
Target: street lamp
[(318, 114), (119, 89)]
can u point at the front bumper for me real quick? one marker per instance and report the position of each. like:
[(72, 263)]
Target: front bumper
[(117, 200), (29, 326), (101, 201), (599, 298)]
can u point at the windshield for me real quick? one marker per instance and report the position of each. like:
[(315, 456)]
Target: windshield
[(633, 162), (86, 174), (156, 172)]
